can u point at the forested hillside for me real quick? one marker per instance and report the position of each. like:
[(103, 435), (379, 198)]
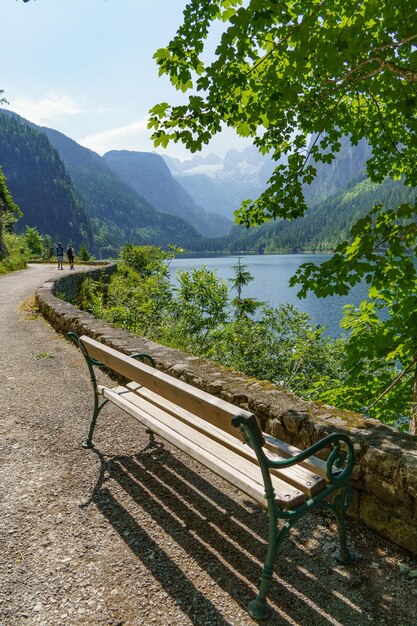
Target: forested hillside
[(148, 174), (325, 225), (118, 213), (340, 194), (84, 200), (40, 185)]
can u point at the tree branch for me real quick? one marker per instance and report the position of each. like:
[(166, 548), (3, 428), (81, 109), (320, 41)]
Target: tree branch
[(405, 72), (281, 41)]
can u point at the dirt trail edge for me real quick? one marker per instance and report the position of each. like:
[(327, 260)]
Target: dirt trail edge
[(133, 532)]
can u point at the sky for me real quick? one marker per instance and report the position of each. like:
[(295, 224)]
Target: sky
[(85, 68)]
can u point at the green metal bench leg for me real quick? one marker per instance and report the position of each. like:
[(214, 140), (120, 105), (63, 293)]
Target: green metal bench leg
[(340, 504), (258, 608), (88, 442)]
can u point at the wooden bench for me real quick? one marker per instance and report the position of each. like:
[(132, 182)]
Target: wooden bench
[(226, 439)]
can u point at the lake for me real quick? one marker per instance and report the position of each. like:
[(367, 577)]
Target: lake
[(271, 276)]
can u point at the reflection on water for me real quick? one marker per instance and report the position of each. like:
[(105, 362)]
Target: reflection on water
[(271, 276)]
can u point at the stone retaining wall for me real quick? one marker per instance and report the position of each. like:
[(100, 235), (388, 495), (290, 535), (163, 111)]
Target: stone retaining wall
[(385, 473), (69, 285)]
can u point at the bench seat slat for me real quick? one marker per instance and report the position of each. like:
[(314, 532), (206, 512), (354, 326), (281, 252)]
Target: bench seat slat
[(240, 472), (286, 450), (300, 478)]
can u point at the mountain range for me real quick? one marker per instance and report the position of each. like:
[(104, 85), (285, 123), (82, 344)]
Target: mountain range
[(220, 185), (148, 175), (340, 194), (117, 212), (74, 194), (110, 211)]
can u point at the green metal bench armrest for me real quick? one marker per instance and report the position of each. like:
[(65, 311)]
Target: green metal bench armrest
[(90, 361), (338, 464), (142, 356)]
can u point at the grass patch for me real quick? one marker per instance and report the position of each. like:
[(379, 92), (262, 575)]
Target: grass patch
[(43, 355), (29, 307)]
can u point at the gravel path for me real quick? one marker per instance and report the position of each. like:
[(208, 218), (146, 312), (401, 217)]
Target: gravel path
[(134, 533)]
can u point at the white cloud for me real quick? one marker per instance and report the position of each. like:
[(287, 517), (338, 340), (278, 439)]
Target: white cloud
[(136, 136), (47, 110)]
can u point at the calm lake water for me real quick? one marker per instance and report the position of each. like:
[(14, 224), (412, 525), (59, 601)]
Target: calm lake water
[(271, 276)]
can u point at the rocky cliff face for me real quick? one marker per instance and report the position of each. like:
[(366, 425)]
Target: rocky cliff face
[(347, 168)]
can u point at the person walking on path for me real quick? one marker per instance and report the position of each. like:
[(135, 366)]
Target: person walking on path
[(70, 255), (60, 255)]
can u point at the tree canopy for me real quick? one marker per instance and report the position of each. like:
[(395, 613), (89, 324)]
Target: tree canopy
[(288, 70), (8, 211), (297, 76)]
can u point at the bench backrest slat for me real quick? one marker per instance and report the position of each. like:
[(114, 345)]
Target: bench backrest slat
[(212, 409)]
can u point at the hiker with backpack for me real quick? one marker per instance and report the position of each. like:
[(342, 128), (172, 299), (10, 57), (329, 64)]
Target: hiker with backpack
[(60, 255), (70, 255)]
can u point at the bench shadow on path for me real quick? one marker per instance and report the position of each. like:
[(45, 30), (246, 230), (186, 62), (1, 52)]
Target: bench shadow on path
[(225, 538)]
